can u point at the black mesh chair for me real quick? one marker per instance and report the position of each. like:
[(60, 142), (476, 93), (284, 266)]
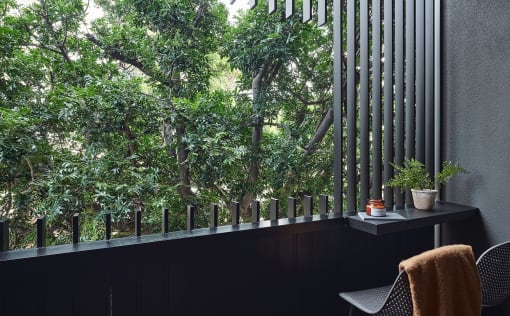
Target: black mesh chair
[(388, 300), (494, 269)]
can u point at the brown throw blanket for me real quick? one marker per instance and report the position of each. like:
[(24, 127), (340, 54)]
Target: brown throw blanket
[(444, 282)]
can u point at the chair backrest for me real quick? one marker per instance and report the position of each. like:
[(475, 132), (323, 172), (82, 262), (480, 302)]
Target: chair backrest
[(494, 269), (399, 301)]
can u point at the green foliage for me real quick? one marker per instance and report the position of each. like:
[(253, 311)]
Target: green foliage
[(169, 41), (413, 175), (449, 169), (90, 112), (294, 96), (217, 137)]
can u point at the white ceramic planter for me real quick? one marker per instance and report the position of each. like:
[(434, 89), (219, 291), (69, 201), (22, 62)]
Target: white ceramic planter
[(424, 199)]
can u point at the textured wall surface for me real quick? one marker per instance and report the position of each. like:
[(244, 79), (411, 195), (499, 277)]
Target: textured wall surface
[(476, 116)]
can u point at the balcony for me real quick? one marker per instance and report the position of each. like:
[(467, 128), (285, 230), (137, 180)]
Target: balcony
[(296, 266), (274, 267)]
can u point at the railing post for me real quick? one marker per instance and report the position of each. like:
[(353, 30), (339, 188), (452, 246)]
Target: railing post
[(291, 207), (138, 222), (272, 6), (308, 206), (165, 224), (274, 210), (213, 219), (108, 225), (307, 10), (323, 204), (289, 8), (4, 234), (235, 213), (190, 217), (255, 211), (76, 228), (41, 232), (322, 13)]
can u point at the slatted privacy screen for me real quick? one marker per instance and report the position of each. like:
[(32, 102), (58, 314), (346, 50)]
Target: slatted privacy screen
[(386, 92)]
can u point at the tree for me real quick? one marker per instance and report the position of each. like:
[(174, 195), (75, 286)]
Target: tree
[(125, 112), (83, 111), (169, 42), (287, 64)]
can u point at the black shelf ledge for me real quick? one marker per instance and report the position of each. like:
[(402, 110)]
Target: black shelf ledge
[(443, 212)]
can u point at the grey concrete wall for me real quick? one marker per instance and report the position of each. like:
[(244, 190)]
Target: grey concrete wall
[(476, 117)]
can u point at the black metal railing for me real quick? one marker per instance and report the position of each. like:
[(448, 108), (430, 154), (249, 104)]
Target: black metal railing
[(279, 266), (274, 215)]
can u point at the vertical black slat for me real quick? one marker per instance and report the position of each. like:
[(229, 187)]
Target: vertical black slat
[(190, 217), (437, 86), (388, 98), (165, 225), (351, 107), (124, 282), (429, 86), (337, 105), (307, 10), (76, 228), (152, 281), (376, 100), (252, 4), (274, 209), (323, 204), (213, 219), (410, 87), (57, 286), (323, 12), (410, 79), (138, 222), (308, 206), (420, 80), (235, 211), (289, 8), (271, 6), (41, 232), (255, 211), (4, 234), (108, 225), (291, 207), (364, 107), (399, 92), (437, 106)]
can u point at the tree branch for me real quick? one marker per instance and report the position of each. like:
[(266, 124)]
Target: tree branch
[(117, 54), (307, 102), (320, 132), (200, 13), (61, 46)]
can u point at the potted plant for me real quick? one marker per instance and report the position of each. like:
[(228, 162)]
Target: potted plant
[(413, 175)]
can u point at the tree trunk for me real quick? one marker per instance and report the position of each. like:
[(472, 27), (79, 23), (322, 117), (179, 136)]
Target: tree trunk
[(182, 157), (131, 143), (168, 138), (256, 138)]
